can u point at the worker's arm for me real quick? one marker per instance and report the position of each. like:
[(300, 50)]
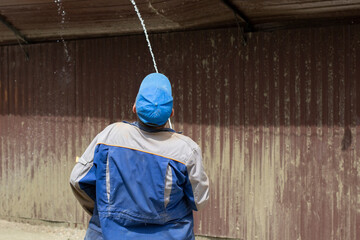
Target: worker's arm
[(83, 178), (197, 187)]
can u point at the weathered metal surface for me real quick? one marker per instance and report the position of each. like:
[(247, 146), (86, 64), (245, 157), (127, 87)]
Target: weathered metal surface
[(41, 20), (36, 133), (262, 11), (277, 120), (46, 19)]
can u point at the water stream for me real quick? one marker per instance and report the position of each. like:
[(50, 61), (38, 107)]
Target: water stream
[(145, 32)]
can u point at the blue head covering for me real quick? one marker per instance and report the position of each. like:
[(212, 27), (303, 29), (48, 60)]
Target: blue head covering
[(154, 101)]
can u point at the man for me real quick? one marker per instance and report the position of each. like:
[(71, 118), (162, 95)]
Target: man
[(141, 180)]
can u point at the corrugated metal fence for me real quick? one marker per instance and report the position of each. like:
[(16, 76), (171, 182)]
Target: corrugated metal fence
[(277, 119)]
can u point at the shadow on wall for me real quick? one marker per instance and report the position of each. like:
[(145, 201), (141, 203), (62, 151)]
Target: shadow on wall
[(277, 79)]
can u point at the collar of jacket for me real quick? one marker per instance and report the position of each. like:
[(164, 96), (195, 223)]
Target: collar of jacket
[(149, 129)]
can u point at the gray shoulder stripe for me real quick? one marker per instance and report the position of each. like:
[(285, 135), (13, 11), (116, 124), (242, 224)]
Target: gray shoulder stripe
[(168, 185), (142, 151), (107, 179)]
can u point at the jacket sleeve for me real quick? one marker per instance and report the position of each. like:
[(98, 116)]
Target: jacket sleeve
[(83, 178), (197, 187)]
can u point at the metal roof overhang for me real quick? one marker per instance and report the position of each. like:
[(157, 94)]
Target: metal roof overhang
[(42, 20)]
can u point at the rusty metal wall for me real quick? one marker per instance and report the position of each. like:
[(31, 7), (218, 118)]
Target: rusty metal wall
[(277, 119)]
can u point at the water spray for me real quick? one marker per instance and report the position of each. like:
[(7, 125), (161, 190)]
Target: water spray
[(145, 32), (62, 13), (148, 41)]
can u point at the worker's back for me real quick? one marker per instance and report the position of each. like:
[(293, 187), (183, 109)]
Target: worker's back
[(143, 186)]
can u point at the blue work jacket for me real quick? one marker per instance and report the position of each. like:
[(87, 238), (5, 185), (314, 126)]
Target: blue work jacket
[(139, 183)]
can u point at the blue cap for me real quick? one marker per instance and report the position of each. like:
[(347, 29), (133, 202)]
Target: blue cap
[(154, 101)]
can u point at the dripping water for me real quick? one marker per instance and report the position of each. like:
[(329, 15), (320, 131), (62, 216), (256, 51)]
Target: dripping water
[(61, 12)]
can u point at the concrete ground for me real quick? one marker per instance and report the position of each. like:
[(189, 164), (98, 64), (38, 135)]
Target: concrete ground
[(25, 231)]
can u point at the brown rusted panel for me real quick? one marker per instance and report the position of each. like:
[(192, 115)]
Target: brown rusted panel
[(3, 121), (4, 88), (277, 119), (306, 78), (36, 144)]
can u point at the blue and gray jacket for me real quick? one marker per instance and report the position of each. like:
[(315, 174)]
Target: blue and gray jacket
[(138, 183)]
